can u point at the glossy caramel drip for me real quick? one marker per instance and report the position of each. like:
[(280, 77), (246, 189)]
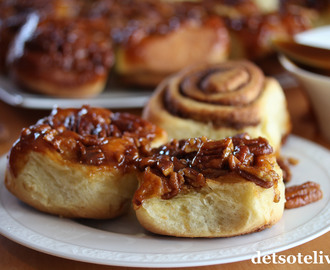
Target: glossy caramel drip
[(181, 165), (80, 47), (90, 136), (14, 15), (132, 20), (314, 59)]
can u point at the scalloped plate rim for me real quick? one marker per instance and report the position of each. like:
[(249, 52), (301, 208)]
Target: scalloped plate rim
[(11, 228)]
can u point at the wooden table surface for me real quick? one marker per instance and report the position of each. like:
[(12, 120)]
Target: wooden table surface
[(16, 256)]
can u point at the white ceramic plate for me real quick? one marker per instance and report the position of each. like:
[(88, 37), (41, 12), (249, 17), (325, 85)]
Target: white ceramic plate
[(111, 97), (123, 242)]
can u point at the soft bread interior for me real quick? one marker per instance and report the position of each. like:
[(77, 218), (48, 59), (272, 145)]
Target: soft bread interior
[(68, 189), (220, 209)]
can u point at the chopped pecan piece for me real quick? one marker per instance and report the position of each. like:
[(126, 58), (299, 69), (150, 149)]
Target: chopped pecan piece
[(213, 154), (193, 178), (258, 146), (184, 164), (300, 195)]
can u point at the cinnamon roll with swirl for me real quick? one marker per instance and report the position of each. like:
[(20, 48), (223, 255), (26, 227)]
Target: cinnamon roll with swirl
[(63, 57), (204, 188), (80, 163), (219, 101)]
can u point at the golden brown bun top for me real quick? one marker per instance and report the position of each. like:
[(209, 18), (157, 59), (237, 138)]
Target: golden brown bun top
[(223, 94), (181, 165), (92, 136)]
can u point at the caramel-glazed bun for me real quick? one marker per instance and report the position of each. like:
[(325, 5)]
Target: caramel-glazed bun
[(254, 24), (204, 188), (79, 163), (160, 43), (252, 36), (62, 57), (218, 101), (13, 15)]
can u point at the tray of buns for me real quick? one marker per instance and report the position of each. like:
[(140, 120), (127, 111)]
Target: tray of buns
[(65, 52), (109, 98)]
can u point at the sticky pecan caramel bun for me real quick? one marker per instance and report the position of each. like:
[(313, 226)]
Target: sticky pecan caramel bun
[(204, 188), (155, 40), (218, 101), (254, 24), (320, 9), (14, 14), (80, 162), (252, 36), (63, 57)]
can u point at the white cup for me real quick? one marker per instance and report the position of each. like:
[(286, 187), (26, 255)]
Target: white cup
[(318, 90)]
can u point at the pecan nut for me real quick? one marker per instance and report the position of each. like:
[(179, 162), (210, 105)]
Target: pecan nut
[(300, 195), (184, 164)]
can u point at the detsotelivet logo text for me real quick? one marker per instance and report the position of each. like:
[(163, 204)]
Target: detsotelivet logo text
[(317, 257)]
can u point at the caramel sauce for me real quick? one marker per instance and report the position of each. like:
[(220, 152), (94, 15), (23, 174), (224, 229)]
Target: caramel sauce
[(144, 22), (314, 59), (256, 33), (81, 47), (121, 141), (185, 164), (133, 20), (89, 136)]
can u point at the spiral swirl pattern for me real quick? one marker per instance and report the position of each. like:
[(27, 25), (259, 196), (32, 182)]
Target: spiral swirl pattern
[(223, 94)]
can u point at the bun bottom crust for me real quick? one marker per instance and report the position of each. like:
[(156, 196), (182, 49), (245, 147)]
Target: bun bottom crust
[(220, 209), (70, 189), (47, 87)]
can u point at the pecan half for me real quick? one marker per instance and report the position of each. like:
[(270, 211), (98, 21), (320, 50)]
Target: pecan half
[(300, 195)]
